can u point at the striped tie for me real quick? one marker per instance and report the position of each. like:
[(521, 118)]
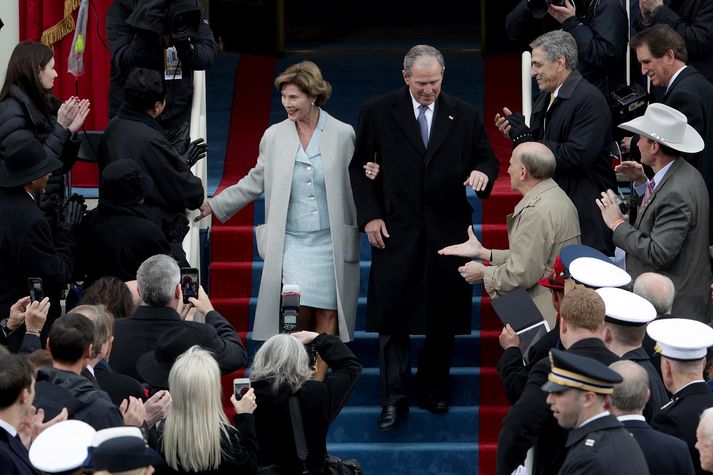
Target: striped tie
[(649, 191)]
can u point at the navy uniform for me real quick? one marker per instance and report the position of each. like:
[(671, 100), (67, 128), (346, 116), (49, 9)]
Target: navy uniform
[(628, 309), (682, 339), (600, 444)]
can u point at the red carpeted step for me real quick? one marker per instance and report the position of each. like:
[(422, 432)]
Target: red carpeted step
[(486, 458), (488, 318), (495, 236), (491, 388), (231, 279), (235, 310), (489, 418), (227, 241), (490, 349)]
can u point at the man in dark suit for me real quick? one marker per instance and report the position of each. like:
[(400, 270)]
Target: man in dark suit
[(429, 145), (16, 396), (529, 421), (577, 390), (27, 246), (664, 454), (670, 234), (663, 57), (683, 344), (572, 118), (160, 289)]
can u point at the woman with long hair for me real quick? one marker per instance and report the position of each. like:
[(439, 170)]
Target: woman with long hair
[(196, 436), (28, 109), (280, 370)]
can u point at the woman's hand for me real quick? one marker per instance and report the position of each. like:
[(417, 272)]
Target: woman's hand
[(80, 116), (371, 170), (67, 111), (305, 337), (246, 404), (205, 210)]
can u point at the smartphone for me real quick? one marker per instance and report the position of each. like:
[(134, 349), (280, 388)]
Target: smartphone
[(240, 387), (37, 291), (189, 283)]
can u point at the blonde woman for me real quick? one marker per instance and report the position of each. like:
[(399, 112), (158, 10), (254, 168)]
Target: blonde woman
[(196, 437)]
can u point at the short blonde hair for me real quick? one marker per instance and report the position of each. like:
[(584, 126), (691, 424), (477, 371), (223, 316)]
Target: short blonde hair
[(308, 79), (583, 308)]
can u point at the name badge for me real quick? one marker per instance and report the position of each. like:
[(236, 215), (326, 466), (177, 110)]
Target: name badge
[(171, 64)]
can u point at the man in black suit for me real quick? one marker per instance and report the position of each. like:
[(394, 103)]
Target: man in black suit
[(27, 246), (663, 57), (664, 454), (429, 145), (160, 289), (684, 343), (17, 392), (530, 422)]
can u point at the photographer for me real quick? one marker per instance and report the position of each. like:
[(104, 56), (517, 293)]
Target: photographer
[(147, 33), (599, 27), (281, 369)]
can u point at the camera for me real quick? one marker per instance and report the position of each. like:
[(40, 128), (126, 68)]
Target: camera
[(628, 102), (37, 291), (182, 20), (538, 8), (189, 283), (289, 308), (240, 387)]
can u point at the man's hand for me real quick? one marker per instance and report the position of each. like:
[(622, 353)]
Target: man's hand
[(471, 248), (158, 407), (186, 311), (202, 303), (197, 150), (472, 272), (17, 314), (501, 122), (562, 13), (477, 180), (633, 171), (246, 405), (72, 211), (36, 314), (625, 144), (32, 424), (608, 205), (508, 338), (205, 210), (133, 411), (371, 170), (376, 232), (648, 6)]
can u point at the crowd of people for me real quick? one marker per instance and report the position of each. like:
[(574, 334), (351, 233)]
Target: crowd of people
[(624, 282)]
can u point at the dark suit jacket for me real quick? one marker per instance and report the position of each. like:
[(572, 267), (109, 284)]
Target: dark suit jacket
[(659, 394), (420, 196), (137, 335), (670, 236), (13, 456), (665, 454), (577, 128), (530, 421), (603, 446), (680, 417)]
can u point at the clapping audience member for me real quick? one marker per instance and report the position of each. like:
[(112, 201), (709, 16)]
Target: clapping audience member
[(159, 286), (28, 110), (33, 314), (111, 293), (196, 436), (117, 236), (135, 134), (28, 246), (280, 370)]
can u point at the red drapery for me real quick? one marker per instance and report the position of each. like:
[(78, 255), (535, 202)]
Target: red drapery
[(37, 16)]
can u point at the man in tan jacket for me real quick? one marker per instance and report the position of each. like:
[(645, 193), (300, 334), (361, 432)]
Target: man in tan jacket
[(544, 221)]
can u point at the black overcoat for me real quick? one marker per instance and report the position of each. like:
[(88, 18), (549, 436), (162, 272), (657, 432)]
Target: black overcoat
[(664, 453), (421, 198)]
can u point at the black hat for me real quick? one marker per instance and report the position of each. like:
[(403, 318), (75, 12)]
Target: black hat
[(24, 161), (154, 366), (121, 454), (579, 372), (123, 182)]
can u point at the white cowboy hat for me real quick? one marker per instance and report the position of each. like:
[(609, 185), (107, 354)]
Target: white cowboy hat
[(667, 126)]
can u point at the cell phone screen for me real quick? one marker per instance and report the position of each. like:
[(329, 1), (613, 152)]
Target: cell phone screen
[(240, 387), (189, 283), (36, 289)]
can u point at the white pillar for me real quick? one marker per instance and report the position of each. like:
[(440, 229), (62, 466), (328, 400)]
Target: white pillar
[(10, 33)]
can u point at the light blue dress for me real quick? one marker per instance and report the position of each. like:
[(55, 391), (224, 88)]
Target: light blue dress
[(308, 259)]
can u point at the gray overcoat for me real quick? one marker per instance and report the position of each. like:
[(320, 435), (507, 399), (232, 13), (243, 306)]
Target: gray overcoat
[(272, 175)]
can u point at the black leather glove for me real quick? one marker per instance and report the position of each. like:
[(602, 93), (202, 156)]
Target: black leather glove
[(72, 212), (519, 131), (196, 150), (175, 228)]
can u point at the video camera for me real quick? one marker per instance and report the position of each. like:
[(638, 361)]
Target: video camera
[(289, 309), (183, 18)]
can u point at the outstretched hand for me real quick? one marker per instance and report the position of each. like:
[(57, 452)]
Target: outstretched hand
[(471, 248)]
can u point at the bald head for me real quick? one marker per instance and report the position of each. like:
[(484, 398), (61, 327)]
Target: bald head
[(631, 395), (537, 159), (657, 289)]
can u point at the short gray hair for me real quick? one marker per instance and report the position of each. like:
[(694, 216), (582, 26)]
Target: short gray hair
[(657, 289), (283, 358), (419, 51), (707, 421), (630, 396), (538, 159), (558, 44), (157, 279)]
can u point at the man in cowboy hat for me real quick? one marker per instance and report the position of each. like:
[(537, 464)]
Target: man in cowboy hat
[(27, 247), (670, 234)]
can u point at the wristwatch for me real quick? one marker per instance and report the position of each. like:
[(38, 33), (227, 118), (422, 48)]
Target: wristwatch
[(3, 326)]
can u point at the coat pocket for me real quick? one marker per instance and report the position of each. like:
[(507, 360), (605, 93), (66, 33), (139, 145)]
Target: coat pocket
[(261, 240), (352, 246)]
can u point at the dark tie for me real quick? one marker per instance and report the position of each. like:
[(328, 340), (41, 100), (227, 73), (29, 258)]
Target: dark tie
[(423, 123), (649, 191)]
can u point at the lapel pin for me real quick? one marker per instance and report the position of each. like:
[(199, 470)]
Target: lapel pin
[(450, 117)]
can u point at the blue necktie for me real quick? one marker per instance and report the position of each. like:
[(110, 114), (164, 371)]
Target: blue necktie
[(423, 124)]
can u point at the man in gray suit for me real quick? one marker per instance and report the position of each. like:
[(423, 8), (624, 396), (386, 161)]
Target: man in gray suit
[(670, 234)]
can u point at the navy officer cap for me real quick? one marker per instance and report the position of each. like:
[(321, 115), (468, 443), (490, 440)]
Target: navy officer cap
[(121, 454), (570, 371), (575, 251)]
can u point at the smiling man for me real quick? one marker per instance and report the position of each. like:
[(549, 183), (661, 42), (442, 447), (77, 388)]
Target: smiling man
[(572, 118)]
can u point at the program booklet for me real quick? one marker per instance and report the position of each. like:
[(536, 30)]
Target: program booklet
[(519, 310)]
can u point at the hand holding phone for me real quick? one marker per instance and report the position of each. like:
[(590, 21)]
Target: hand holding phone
[(240, 387), (189, 283), (37, 291)]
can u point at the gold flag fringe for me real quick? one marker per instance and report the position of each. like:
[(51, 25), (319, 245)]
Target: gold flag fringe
[(64, 27)]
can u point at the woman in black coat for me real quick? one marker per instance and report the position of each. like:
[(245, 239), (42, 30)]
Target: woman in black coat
[(29, 110), (280, 370)]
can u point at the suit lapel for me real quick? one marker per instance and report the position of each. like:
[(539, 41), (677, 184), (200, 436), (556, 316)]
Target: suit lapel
[(406, 119), (19, 450), (683, 74), (659, 186), (442, 122)]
